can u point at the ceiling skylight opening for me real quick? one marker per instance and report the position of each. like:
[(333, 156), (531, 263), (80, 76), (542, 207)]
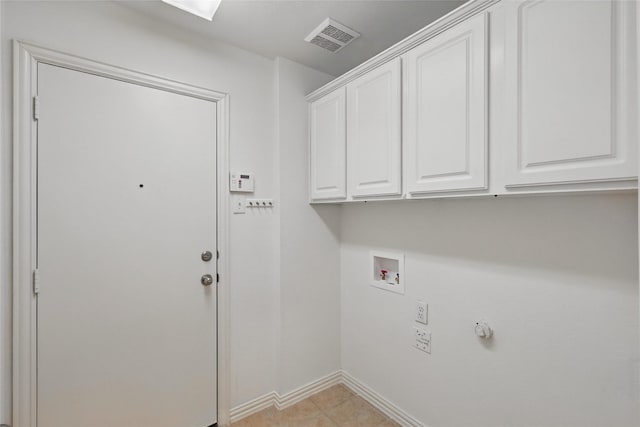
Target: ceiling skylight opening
[(202, 8)]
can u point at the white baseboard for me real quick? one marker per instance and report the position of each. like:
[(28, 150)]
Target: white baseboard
[(280, 402), (338, 377), (305, 391), (252, 406), (380, 402)]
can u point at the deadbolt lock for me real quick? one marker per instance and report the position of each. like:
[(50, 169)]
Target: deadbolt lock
[(206, 256)]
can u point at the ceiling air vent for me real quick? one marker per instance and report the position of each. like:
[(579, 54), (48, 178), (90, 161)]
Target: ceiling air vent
[(331, 35)]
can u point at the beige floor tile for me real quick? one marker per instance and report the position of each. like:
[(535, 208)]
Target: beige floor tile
[(331, 397), (299, 411), (319, 420), (334, 407), (356, 412)]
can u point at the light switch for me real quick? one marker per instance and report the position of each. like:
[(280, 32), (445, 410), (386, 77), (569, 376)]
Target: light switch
[(238, 203)]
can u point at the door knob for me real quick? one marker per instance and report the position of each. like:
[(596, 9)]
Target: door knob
[(206, 279)]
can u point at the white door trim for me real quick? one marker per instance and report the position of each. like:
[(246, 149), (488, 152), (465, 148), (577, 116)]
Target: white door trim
[(25, 78)]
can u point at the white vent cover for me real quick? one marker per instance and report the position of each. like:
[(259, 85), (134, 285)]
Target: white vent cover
[(331, 35)]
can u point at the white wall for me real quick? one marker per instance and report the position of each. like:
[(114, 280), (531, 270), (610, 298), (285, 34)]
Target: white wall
[(309, 297), (5, 293), (109, 32), (557, 279)]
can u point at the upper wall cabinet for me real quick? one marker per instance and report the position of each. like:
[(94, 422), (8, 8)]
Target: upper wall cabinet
[(570, 98), (374, 132), (445, 111), (327, 147), (499, 97)]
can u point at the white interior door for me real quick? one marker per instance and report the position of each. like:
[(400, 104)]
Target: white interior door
[(126, 206)]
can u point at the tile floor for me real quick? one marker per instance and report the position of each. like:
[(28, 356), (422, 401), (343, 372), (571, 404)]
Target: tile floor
[(334, 407)]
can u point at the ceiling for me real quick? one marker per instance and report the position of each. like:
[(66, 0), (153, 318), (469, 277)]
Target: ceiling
[(274, 28)]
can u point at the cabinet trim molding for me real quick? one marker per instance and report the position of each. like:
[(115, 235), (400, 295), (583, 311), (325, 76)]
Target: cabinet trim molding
[(451, 19)]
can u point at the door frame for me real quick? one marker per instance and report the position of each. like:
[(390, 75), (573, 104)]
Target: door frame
[(26, 57)]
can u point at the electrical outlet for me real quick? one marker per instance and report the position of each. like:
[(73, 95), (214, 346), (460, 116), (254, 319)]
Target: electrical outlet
[(422, 340), (421, 312)]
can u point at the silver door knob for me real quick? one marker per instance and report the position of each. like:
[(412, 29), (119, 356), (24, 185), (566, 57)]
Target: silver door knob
[(206, 279)]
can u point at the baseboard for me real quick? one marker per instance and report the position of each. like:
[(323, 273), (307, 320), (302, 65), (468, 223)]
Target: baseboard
[(252, 406), (301, 393), (380, 402), (305, 391), (288, 399)]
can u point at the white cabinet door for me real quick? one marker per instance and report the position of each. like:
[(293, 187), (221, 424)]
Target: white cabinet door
[(569, 92), (445, 111), (327, 147), (373, 132)]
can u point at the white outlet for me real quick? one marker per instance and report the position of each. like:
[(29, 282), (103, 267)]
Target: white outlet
[(421, 312), (422, 340)]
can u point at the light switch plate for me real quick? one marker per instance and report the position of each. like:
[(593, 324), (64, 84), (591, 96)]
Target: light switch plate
[(239, 206)]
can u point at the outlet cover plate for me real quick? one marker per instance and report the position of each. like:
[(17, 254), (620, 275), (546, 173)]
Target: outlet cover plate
[(421, 312), (239, 206), (422, 340)]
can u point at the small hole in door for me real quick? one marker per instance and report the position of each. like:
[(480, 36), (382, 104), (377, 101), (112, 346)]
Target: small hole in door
[(141, 185)]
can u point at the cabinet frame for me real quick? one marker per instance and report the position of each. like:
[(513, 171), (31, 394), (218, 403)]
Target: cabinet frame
[(500, 169)]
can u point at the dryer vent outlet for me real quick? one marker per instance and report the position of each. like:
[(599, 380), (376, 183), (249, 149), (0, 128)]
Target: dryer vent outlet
[(331, 35)]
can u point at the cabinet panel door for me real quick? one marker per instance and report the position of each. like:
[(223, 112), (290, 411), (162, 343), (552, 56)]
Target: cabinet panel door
[(569, 92), (373, 132), (445, 111), (327, 147)]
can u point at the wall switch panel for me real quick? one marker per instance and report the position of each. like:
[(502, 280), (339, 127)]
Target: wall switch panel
[(238, 204), (242, 182), (421, 312), (422, 340)]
